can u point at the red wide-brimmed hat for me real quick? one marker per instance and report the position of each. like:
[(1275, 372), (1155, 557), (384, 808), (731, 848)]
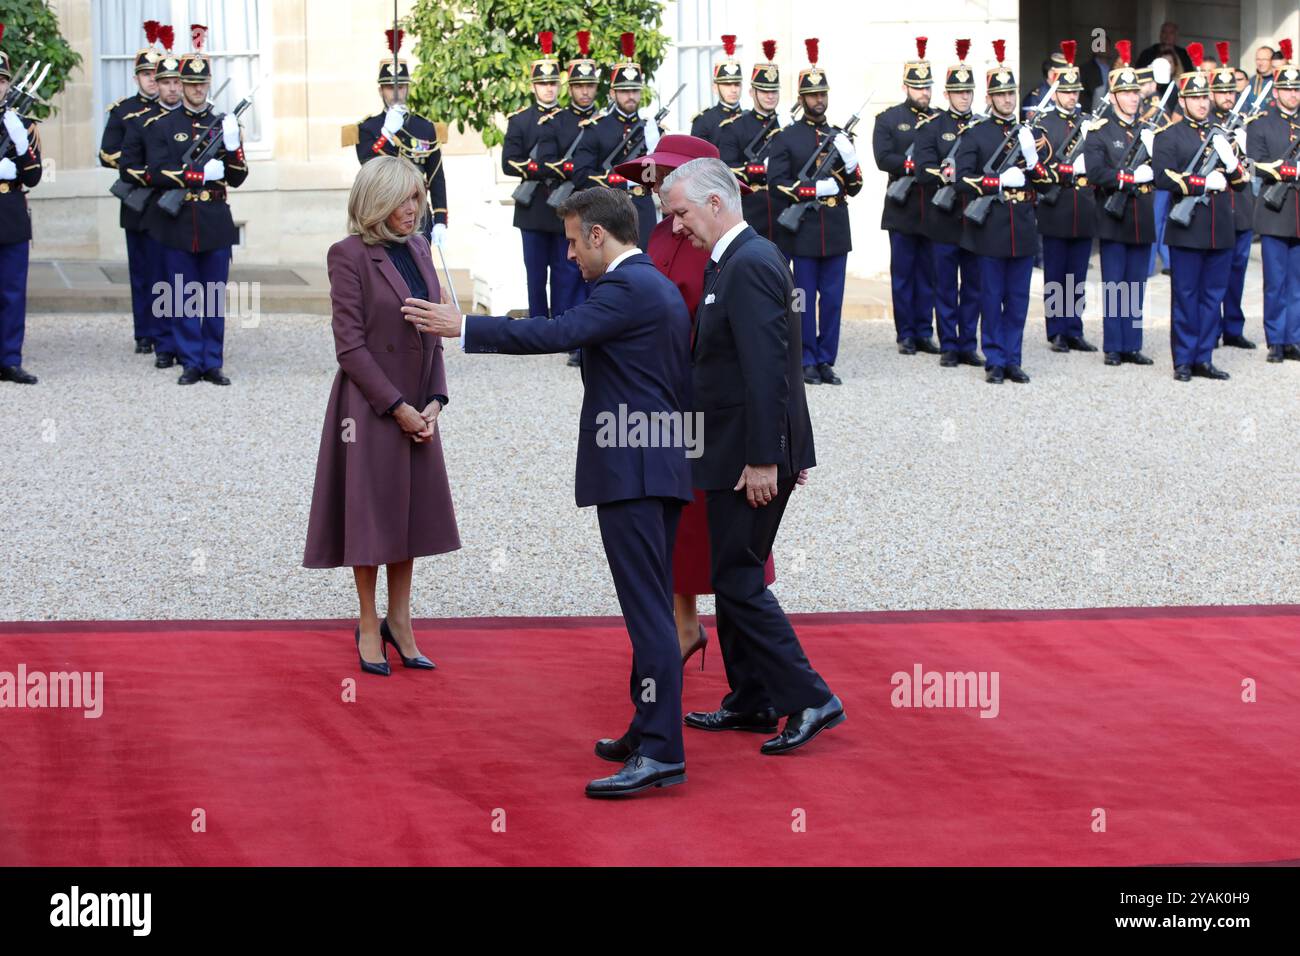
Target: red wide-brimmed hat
[(673, 150)]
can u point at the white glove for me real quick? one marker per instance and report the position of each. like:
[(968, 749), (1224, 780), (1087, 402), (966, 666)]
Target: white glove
[(7, 169), (393, 120), (1225, 152), (17, 132), (1239, 137), (1080, 168), (1148, 141), (439, 234), (230, 132), (651, 134), (213, 170), (827, 187), (1013, 177), (1161, 72), (1215, 182), (1027, 148), (1143, 174), (847, 152)]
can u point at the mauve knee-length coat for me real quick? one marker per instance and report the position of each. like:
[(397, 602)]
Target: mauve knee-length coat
[(379, 496)]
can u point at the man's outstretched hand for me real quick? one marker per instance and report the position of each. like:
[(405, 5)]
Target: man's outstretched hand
[(440, 318), (759, 484)]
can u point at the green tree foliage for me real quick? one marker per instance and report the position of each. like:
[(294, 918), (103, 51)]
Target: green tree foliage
[(475, 54), (32, 33)]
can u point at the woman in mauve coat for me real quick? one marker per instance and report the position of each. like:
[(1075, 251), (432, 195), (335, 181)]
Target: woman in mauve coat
[(684, 264), (381, 494)]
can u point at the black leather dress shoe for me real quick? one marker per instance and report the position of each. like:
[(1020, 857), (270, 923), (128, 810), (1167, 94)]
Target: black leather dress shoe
[(617, 751), (1113, 358), (927, 346), (1017, 375), (811, 376), (827, 372), (1291, 352), (164, 360), (907, 347), (1182, 373), (763, 722), (639, 773), (1059, 344), (1209, 370), (994, 375), (418, 662), (1078, 343), (971, 358), (1238, 342), (1136, 358), (214, 376), (1276, 353), (804, 726), (574, 361), (949, 360), (143, 346), (16, 374), (189, 377)]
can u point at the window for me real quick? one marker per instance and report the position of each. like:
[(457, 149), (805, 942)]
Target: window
[(234, 44), (696, 28)]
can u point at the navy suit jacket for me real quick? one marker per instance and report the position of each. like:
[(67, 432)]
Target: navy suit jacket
[(747, 365), (634, 332)]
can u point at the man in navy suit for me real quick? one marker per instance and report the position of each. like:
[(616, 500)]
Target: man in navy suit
[(748, 384), (633, 441)]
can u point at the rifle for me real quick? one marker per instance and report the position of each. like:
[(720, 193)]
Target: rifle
[(793, 214), (1070, 150), (978, 209), (563, 191), (753, 153), (524, 192), (1274, 194), (1133, 156), (945, 196), (204, 148), (136, 198), (636, 139), (19, 98), (896, 192), (1207, 160)]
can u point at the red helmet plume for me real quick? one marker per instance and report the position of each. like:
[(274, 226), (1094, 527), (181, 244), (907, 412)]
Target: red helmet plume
[(1000, 50), (628, 43), (151, 30), (395, 38), (166, 36), (920, 47), (1196, 53), (198, 36), (1285, 47), (811, 46), (584, 43), (547, 41), (729, 43), (1225, 52), (1068, 50), (1124, 52), (769, 50), (963, 47)]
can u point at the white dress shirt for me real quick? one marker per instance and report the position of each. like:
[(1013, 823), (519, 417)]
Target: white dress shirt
[(720, 247)]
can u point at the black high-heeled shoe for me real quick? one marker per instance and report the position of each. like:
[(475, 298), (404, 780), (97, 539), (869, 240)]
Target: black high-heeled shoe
[(700, 644), (420, 661), (367, 667)]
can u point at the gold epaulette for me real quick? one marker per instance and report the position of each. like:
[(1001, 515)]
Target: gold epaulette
[(117, 104), (154, 119), (350, 135), (517, 112), (1097, 124), (729, 119)]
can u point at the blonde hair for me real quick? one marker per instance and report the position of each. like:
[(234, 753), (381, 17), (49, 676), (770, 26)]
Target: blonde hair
[(383, 184)]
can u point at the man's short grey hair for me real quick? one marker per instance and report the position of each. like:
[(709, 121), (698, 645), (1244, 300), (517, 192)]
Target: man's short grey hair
[(703, 178)]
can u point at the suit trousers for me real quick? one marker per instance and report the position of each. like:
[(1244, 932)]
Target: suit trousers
[(821, 280), (1198, 282), (911, 275), (1124, 270), (1065, 274), (1004, 305), (1234, 319), (956, 297), (1281, 290), (766, 666), (638, 535), (13, 300), (200, 339)]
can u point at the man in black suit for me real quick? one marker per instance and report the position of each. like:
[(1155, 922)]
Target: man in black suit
[(634, 333), (1168, 44), (746, 357)]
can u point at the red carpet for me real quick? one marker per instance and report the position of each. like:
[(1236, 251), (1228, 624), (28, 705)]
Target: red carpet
[(1136, 712)]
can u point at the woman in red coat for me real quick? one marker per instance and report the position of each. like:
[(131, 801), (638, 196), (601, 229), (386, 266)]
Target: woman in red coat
[(381, 494), (684, 264)]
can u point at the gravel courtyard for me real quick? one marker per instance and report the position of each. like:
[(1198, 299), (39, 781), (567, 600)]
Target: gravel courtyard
[(128, 497)]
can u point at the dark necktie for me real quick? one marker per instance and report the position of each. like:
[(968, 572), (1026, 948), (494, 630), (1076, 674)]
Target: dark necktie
[(710, 275)]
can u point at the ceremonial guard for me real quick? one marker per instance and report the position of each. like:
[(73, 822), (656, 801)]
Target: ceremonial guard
[(20, 170), (708, 124), (911, 265), (1001, 159), (1067, 212), (1152, 81), (820, 243), (744, 145), (1117, 156), (956, 269), (545, 248), (131, 111), (1224, 96), (620, 135), (1274, 145), (561, 135), (197, 241), (1200, 253), (399, 132)]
